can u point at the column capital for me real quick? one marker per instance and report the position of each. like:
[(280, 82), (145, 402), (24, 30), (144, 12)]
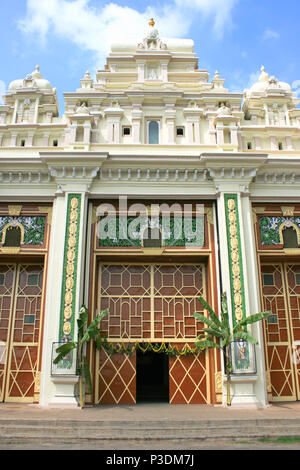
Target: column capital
[(73, 172), (233, 172)]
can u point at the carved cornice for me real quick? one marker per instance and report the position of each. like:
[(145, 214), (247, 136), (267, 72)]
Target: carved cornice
[(24, 176), (80, 175), (233, 173), (154, 174), (277, 178)]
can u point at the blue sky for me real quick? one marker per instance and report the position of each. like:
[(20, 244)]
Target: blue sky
[(68, 37)]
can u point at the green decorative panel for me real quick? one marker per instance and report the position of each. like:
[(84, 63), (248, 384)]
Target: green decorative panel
[(235, 258), (68, 293), (34, 228), (128, 231), (269, 228)]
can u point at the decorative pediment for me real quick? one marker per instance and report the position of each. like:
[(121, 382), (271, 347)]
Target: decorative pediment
[(152, 40)]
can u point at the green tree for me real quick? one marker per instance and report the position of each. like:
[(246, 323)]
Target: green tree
[(86, 333), (220, 334)]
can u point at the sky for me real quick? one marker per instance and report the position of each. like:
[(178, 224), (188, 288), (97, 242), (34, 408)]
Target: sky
[(68, 37)]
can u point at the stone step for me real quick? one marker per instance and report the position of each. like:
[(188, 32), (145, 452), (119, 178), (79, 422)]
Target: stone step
[(63, 439), (147, 424), (94, 431)]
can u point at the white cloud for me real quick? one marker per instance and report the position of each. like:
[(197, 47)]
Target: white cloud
[(220, 10), (296, 87), (238, 81), (94, 29), (270, 34), (254, 78), (2, 90)]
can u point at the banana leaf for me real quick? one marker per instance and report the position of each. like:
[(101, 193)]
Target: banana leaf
[(92, 330), (206, 320), (205, 344), (63, 350), (214, 332), (251, 319), (211, 312), (82, 321), (244, 335)]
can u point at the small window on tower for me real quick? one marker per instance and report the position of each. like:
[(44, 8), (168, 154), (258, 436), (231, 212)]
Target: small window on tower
[(280, 146), (180, 131), (153, 132), (126, 130), (249, 145), (22, 143), (55, 143)]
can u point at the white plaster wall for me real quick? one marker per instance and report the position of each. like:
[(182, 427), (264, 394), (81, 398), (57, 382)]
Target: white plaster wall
[(53, 297)]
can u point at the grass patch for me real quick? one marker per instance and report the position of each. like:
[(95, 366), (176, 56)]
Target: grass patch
[(281, 440)]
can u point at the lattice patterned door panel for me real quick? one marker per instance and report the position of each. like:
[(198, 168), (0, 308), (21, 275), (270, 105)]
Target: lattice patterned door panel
[(292, 273), (22, 375), (188, 379), (278, 334), (116, 383), (7, 283), (150, 303), (126, 292)]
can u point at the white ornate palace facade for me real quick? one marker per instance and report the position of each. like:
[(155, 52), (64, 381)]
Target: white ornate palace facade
[(151, 128)]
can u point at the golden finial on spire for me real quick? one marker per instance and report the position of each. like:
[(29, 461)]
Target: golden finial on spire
[(151, 22)]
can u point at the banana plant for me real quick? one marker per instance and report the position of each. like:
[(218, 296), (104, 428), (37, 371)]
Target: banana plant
[(220, 334), (86, 333)]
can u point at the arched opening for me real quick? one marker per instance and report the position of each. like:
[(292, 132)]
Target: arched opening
[(13, 236), (153, 132), (290, 237), (152, 238)]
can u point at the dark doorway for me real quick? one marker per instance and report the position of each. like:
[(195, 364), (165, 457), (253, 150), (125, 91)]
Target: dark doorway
[(152, 377)]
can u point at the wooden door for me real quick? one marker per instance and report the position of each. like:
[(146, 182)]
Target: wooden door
[(21, 287), (282, 329)]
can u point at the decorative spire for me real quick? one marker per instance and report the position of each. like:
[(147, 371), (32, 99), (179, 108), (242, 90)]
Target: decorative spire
[(151, 22), (36, 73), (264, 76)]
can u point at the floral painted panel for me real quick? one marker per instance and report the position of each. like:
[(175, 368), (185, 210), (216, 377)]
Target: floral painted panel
[(34, 228), (128, 231), (269, 228)]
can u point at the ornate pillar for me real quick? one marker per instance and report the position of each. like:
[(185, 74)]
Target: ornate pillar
[(136, 119), (257, 140), (87, 132), (239, 274), (114, 115), (141, 70), (212, 130), (36, 110), (30, 139), (267, 119), (14, 137), (170, 114), (220, 134), (234, 135), (192, 114), (289, 143), (164, 71), (67, 255), (16, 109)]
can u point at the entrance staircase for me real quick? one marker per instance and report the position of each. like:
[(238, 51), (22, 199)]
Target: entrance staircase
[(65, 430)]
